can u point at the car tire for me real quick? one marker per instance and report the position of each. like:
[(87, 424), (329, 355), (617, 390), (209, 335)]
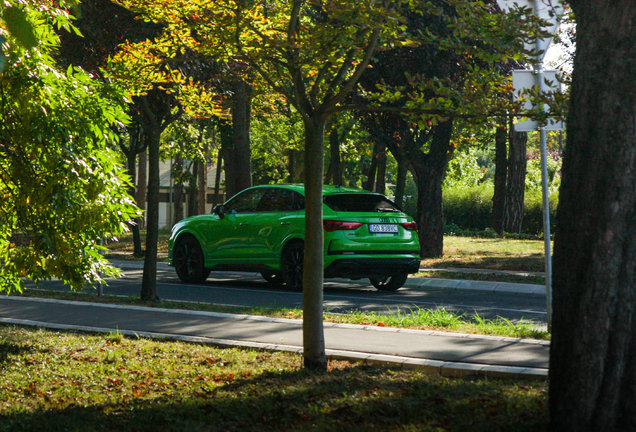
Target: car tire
[(292, 266), (389, 283), (189, 261), (272, 277)]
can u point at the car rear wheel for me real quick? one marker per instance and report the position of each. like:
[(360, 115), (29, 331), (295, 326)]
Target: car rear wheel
[(389, 283), (189, 261), (292, 266)]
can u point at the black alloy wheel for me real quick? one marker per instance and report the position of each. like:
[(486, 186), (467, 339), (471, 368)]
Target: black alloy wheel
[(189, 261), (389, 283), (292, 266)]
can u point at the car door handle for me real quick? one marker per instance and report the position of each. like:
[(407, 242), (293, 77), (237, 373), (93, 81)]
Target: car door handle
[(284, 223), (243, 224)]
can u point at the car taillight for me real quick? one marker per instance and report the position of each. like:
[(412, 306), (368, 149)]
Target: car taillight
[(411, 226), (334, 225)]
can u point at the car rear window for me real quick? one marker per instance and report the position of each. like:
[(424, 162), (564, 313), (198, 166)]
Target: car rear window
[(359, 203)]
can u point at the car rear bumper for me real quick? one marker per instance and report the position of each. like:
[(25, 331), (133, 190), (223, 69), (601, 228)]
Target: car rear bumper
[(355, 268)]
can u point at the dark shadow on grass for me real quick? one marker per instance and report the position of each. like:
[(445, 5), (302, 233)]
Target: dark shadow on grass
[(354, 398)]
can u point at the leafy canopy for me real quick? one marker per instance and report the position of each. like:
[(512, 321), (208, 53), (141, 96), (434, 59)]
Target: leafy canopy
[(61, 185)]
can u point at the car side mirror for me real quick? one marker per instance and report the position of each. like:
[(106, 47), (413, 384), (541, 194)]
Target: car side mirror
[(219, 211)]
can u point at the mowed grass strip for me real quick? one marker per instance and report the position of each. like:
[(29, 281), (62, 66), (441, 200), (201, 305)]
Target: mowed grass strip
[(80, 382)]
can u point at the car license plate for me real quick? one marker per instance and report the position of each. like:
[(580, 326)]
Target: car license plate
[(383, 228)]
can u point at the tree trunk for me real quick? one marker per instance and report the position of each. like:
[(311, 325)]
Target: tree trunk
[(401, 183), (501, 168), (313, 267), (241, 157), (149, 280), (334, 173), (197, 196), (217, 179), (428, 171), (142, 185), (131, 168), (593, 349), (380, 184), (177, 194), (369, 185), (515, 183), (193, 189)]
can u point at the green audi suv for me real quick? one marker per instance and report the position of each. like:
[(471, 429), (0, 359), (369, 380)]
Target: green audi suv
[(262, 229)]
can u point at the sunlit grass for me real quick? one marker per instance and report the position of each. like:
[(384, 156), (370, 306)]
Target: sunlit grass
[(490, 253)]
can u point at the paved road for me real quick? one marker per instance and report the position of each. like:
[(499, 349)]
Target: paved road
[(249, 289)]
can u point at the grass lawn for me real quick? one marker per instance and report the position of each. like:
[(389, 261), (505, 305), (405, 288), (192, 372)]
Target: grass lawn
[(490, 253), (58, 381)]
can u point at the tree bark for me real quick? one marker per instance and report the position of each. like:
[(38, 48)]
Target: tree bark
[(313, 267), (400, 187), (334, 173), (177, 194), (380, 183), (149, 279), (373, 168), (239, 176), (593, 349), (515, 183), (428, 171), (501, 168), (217, 179), (142, 185)]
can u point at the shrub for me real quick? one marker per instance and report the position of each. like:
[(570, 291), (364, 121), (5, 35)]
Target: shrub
[(469, 210)]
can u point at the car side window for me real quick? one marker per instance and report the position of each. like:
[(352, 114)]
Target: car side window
[(278, 200), (245, 202)]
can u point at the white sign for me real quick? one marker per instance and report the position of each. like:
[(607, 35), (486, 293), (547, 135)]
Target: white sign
[(548, 10), (523, 80)]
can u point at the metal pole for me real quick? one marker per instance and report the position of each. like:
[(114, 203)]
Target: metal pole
[(538, 69)]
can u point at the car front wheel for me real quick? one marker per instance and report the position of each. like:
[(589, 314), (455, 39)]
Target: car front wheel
[(189, 261), (389, 283), (292, 266)]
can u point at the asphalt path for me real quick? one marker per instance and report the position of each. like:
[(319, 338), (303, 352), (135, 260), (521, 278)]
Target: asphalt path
[(340, 296)]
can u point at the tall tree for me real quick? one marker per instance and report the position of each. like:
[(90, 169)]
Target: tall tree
[(313, 54), (593, 349), (454, 73)]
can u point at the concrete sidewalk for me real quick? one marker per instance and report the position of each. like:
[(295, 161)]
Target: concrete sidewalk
[(448, 354)]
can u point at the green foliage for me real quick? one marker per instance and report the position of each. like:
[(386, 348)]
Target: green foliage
[(61, 185), (533, 172), (469, 167), (469, 209)]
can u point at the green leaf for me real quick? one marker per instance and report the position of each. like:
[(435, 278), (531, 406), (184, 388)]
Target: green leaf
[(18, 25)]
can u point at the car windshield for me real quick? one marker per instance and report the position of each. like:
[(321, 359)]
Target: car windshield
[(359, 203)]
